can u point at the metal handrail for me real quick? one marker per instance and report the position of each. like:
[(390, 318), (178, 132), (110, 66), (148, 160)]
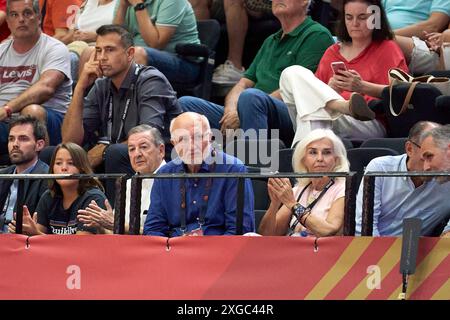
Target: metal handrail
[(368, 192), (136, 186)]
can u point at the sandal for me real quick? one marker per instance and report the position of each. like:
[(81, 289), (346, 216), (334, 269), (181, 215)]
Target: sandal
[(359, 109)]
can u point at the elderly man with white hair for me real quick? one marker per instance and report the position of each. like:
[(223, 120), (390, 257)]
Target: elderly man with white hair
[(200, 206)]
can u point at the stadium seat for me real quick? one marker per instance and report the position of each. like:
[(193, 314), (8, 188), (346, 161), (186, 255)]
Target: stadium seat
[(208, 31), (261, 153), (397, 144), (359, 158)]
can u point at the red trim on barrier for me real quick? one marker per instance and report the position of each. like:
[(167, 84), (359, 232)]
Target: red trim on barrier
[(140, 267)]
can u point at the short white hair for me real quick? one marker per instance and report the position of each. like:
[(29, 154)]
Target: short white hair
[(440, 136), (342, 164), (202, 118)]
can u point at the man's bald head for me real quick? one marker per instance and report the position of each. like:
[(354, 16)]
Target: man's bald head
[(188, 119), (190, 133)]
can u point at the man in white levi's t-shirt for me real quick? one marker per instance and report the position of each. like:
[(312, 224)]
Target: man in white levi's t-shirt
[(34, 72), (146, 150)]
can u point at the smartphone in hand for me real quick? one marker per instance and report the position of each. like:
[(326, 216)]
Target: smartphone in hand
[(338, 66)]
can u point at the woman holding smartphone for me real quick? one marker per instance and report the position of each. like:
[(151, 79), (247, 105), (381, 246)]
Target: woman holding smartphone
[(351, 73), (57, 211)]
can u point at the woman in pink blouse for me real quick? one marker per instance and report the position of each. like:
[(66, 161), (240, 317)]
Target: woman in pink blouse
[(314, 207)]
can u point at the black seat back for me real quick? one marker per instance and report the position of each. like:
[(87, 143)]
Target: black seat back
[(397, 144), (208, 32)]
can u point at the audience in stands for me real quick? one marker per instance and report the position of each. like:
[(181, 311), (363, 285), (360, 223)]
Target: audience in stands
[(236, 14), (405, 197), (58, 18), (255, 102), (202, 206), (35, 76), (57, 210), (367, 54), (157, 26), (146, 151), (4, 30), (315, 206), (436, 157), (26, 139), (123, 96)]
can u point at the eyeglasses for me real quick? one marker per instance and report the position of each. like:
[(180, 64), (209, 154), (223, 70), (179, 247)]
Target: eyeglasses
[(27, 14), (415, 143), (198, 137)]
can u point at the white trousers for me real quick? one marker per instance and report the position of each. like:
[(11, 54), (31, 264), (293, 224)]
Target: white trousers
[(306, 96)]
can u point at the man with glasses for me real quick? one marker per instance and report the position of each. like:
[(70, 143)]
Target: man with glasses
[(34, 72), (405, 197), (198, 206), (123, 96)]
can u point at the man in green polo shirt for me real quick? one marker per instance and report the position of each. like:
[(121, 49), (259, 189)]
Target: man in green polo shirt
[(255, 102)]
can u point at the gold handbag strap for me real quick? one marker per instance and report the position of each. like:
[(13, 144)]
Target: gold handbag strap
[(405, 102)]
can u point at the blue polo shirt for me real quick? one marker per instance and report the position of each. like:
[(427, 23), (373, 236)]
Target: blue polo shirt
[(163, 217), (401, 13)]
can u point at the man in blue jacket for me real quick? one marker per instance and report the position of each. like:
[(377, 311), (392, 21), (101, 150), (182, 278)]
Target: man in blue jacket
[(201, 206)]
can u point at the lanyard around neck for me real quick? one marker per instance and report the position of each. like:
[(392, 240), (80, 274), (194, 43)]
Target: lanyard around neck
[(204, 205), (312, 204), (130, 94)]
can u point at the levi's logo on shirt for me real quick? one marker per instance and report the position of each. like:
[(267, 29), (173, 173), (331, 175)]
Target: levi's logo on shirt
[(14, 74)]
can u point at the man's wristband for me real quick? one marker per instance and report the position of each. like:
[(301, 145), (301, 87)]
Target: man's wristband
[(8, 111), (107, 145)]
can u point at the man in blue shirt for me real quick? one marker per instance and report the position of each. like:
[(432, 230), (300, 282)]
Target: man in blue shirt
[(26, 139), (398, 198), (436, 157), (202, 206)]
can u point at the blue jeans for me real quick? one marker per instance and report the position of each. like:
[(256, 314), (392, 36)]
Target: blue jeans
[(54, 121), (176, 69), (257, 110)]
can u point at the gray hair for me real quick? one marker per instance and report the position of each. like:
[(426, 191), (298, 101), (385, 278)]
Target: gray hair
[(157, 137), (342, 164), (35, 4), (440, 136), (421, 127), (202, 118)]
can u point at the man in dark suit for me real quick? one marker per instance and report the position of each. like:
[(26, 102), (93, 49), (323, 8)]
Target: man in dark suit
[(25, 140)]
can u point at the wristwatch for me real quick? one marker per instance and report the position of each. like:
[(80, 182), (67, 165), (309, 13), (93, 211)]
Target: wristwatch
[(140, 6), (298, 210)]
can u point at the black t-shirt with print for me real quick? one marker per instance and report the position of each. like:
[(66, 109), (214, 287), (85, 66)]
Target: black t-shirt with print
[(58, 220)]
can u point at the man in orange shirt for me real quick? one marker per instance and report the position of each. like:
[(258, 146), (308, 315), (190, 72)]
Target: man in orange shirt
[(58, 17)]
